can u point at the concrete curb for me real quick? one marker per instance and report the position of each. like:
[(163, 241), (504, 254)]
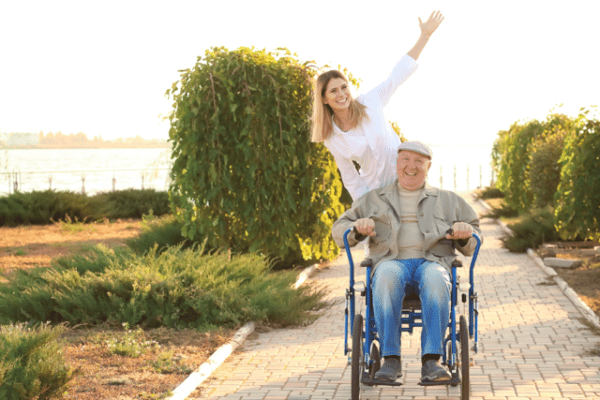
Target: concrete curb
[(583, 308), (218, 357)]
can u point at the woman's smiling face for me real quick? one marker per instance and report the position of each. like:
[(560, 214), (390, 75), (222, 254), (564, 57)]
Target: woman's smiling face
[(337, 94), (412, 169)]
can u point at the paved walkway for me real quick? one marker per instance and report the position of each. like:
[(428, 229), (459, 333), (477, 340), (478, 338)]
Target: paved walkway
[(532, 344)]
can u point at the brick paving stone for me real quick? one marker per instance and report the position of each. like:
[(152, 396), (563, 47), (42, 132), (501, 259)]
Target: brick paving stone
[(532, 344)]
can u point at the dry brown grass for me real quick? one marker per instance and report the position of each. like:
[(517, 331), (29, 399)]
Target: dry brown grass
[(101, 374)]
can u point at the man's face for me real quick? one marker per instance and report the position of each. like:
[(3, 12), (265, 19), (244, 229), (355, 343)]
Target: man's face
[(412, 169)]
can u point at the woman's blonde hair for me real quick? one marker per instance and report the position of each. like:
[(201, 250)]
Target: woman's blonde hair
[(322, 127)]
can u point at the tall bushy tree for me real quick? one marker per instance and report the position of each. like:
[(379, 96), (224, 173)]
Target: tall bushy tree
[(245, 176), (577, 212), (543, 174), (510, 157)]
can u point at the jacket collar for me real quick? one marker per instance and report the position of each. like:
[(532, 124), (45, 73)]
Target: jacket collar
[(391, 196)]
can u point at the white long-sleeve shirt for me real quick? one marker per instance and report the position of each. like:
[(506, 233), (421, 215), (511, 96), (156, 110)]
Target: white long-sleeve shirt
[(373, 144)]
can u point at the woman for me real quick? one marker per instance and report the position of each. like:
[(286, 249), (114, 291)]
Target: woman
[(356, 129)]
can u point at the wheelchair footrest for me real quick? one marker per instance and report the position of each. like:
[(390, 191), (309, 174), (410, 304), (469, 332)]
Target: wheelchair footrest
[(365, 380)]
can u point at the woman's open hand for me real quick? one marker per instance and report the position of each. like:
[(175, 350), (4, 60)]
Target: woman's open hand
[(429, 26)]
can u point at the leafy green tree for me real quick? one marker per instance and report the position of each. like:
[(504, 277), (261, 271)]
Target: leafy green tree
[(245, 176), (510, 157), (577, 212), (543, 174)]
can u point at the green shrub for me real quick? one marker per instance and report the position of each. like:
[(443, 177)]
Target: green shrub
[(502, 211), (42, 207), (31, 363), (245, 175), (544, 170), (531, 231), (578, 195), (163, 232), (174, 289), (130, 203), (510, 157), (490, 193)]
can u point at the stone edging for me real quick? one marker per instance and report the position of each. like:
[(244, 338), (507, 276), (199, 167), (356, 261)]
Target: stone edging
[(583, 308), (216, 359)]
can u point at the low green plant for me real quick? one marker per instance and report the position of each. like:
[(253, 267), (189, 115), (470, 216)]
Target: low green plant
[(490, 193), (74, 226), (31, 362), (177, 288), (165, 363), (501, 211), (130, 203), (133, 343), (161, 232), (20, 252), (533, 229)]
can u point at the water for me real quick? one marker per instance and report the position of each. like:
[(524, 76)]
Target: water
[(63, 169)]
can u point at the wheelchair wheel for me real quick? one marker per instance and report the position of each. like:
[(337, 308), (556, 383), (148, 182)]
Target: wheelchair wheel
[(464, 359), (357, 356), (376, 357)]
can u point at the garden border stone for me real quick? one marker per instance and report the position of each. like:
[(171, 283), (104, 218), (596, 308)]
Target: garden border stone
[(218, 357), (583, 308)]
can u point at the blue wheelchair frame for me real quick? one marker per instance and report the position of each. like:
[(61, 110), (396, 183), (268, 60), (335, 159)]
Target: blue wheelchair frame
[(411, 317)]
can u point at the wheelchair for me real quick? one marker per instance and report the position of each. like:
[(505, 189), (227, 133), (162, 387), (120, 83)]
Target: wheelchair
[(364, 356)]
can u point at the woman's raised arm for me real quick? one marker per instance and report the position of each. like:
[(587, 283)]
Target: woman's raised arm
[(427, 29)]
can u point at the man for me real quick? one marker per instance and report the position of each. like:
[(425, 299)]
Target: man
[(406, 223)]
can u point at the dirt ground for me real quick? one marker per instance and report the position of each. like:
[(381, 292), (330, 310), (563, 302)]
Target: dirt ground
[(167, 356), (585, 280)]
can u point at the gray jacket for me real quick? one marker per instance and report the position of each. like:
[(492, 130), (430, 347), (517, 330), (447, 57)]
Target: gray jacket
[(436, 212)]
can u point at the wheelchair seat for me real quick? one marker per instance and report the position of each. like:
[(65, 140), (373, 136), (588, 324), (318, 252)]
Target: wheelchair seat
[(411, 302)]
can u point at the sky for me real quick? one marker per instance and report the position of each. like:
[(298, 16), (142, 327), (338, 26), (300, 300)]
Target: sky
[(102, 67)]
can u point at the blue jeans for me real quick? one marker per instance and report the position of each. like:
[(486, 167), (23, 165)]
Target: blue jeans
[(395, 279)]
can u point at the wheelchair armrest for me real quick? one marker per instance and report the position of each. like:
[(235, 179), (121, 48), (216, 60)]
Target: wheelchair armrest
[(367, 262)]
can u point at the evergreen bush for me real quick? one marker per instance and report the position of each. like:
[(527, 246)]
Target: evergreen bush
[(162, 233), (31, 363), (578, 195), (535, 228), (245, 175), (178, 288), (130, 203), (44, 207)]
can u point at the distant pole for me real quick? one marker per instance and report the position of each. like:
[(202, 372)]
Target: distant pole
[(50, 182), (455, 177), (441, 178), (82, 184), (114, 181), (15, 182), (142, 181), (467, 177)]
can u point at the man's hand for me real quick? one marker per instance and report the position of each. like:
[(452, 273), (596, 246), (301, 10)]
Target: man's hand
[(429, 26), (461, 230), (365, 226)]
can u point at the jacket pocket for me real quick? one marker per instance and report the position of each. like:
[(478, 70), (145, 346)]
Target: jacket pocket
[(383, 229), (441, 221)]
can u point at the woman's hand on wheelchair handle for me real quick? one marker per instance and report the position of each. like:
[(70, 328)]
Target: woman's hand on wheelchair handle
[(365, 226)]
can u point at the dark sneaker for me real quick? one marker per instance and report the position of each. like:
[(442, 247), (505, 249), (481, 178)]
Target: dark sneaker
[(433, 371), (389, 371)]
